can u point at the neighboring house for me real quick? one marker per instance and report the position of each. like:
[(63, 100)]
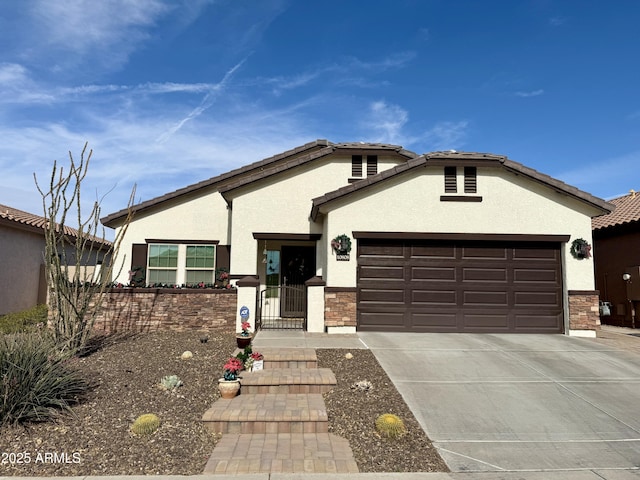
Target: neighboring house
[(384, 239), (22, 246), (616, 238)]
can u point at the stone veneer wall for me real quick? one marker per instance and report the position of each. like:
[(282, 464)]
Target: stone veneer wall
[(152, 309), (340, 307), (584, 313)]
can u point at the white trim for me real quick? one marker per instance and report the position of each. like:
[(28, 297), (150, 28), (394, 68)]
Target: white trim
[(341, 330), (582, 333)]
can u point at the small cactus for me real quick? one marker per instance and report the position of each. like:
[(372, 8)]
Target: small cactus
[(170, 382), (390, 426), (145, 424)]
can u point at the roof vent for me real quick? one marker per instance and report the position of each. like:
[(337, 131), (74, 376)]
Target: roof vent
[(633, 193)]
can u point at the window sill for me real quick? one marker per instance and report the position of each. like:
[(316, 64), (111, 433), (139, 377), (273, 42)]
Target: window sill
[(460, 198)]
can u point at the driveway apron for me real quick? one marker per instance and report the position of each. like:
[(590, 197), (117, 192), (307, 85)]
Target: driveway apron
[(518, 402)]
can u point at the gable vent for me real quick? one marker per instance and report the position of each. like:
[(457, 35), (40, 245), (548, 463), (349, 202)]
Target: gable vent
[(450, 180), (372, 165), (470, 180), (356, 166)]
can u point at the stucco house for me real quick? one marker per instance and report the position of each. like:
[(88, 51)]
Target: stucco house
[(375, 237), (616, 239), (22, 245)]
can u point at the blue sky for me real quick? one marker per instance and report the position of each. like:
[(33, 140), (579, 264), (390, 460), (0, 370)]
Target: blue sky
[(169, 93)]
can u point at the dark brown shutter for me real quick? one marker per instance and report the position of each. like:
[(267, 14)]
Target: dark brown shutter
[(223, 256), (470, 182), (372, 165), (138, 256), (356, 166), (450, 180)]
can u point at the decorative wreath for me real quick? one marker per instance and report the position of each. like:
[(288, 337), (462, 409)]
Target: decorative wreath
[(341, 244), (580, 249)]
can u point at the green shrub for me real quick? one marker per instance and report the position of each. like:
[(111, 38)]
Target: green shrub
[(36, 383), (20, 321)]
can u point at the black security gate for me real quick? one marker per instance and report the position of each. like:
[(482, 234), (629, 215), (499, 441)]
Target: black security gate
[(283, 308)]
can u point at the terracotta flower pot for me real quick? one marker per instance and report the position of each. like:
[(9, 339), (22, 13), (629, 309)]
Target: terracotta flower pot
[(243, 341), (228, 388)]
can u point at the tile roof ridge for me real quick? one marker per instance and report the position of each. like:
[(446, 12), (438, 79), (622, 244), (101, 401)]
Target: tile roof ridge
[(37, 222), (627, 211)]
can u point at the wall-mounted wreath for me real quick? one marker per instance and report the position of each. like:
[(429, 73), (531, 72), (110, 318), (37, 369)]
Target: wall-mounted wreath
[(580, 249), (341, 244)]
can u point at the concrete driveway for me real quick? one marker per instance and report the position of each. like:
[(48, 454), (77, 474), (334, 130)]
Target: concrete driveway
[(519, 402)]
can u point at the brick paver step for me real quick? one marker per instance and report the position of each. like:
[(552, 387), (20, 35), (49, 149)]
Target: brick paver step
[(288, 380), (268, 413), (289, 357), (281, 453)]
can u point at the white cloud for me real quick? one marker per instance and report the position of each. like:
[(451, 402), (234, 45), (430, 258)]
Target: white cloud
[(390, 124), (532, 93), (556, 21), (445, 135), (607, 176), (84, 27), (386, 121)]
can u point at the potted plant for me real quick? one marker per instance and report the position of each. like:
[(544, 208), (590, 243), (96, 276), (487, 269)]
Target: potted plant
[(229, 385), (243, 339)]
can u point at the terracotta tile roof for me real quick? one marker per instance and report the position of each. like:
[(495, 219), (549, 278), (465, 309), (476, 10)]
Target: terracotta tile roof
[(627, 211), (27, 221), (462, 158)]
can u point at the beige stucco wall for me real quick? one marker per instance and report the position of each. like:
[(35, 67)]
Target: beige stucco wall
[(510, 205), (282, 204), (22, 277), (204, 217), (21, 257)]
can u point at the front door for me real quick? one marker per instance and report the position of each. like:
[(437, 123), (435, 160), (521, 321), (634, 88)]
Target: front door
[(298, 264)]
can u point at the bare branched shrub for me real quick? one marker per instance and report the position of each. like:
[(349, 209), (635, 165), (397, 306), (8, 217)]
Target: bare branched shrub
[(75, 292)]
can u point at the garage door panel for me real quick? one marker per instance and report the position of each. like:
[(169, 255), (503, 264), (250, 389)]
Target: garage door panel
[(536, 254), (434, 297), (490, 253), (489, 322), (434, 321), (368, 272), (471, 298), (524, 299), (491, 275), (536, 323), (441, 274), (381, 321), (521, 275), (381, 250), (432, 252), (459, 286), (382, 296)]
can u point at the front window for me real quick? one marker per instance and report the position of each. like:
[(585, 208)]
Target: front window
[(163, 264), (200, 264), (180, 264)]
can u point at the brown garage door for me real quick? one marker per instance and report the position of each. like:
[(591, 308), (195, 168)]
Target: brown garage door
[(445, 286)]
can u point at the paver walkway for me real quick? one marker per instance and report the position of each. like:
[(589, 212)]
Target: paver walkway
[(278, 423)]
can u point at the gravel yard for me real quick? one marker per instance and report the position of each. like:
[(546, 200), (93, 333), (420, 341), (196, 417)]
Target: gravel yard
[(96, 439)]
